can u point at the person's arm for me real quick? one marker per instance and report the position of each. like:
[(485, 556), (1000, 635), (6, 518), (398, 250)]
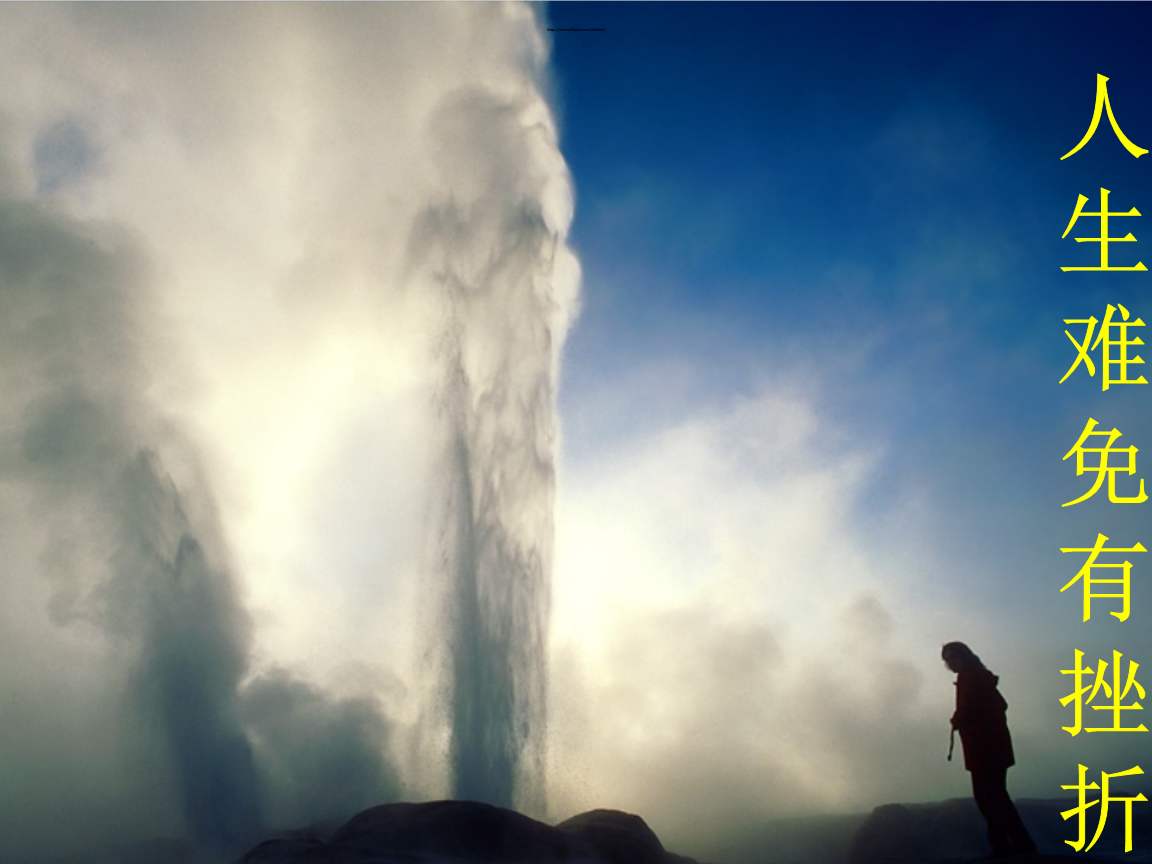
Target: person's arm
[(962, 715)]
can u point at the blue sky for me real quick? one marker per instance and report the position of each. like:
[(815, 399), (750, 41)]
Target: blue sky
[(865, 202), (779, 171), (868, 191)]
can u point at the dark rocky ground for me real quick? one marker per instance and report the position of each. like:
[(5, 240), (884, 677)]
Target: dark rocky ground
[(466, 832), (463, 832), (953, 831)]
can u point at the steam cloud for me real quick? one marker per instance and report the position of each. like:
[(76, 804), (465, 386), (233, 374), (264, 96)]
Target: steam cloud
[(125, 550), (493, 251), (231, 239)]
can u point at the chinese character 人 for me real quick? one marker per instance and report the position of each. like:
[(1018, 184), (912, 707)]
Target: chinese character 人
[(1104, 104)]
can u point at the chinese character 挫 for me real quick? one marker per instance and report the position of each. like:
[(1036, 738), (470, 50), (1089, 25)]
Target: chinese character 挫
[(1113, 342), (1104, 467), (1082, 787), (1105, 239), (1085, 575), (1104, 104), (1090, 684)]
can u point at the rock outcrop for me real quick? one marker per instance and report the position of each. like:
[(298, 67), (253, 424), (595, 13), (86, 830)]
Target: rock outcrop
[(617, 838), (953, 831), (468, 832)]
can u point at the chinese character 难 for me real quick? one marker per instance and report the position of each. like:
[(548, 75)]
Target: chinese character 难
[(1113, 341)]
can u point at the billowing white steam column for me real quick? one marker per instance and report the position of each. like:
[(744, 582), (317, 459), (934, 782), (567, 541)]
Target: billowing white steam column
[(494, 247), (236, 236)]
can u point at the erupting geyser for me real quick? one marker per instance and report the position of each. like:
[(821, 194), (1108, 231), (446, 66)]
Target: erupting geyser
[(495, 250), (240, 247)]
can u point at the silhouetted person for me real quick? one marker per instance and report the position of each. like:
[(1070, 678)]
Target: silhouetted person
[(981, 719)]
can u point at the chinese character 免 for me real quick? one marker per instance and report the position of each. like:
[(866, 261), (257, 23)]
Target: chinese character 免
[(1103, 468)]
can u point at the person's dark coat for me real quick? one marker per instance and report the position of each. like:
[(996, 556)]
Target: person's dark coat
[(981, 719)]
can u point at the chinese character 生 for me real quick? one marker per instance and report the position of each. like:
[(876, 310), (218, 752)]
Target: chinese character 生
[(1105, 239)]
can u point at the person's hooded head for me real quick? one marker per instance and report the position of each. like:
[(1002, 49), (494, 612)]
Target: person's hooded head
[(960, 658)]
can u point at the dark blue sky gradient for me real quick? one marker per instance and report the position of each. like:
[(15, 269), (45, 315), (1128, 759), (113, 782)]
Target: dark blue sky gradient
[(761, 183), (763, 168), (870, 197)]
